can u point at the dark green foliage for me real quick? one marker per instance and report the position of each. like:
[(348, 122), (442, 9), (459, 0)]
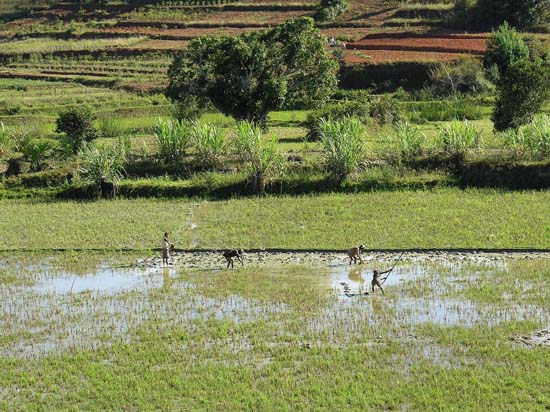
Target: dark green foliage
[(386, 77), (464, 76), (251, 74), (522, 91), (77, 124), (330, 9), (522, 78), (347, 109), (519, 13), (504, 49), (492, 13)]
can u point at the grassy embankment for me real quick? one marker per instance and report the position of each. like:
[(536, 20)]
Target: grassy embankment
[(445, 218)]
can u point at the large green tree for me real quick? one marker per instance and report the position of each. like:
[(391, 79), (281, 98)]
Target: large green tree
[(248, 75), (522, 77)]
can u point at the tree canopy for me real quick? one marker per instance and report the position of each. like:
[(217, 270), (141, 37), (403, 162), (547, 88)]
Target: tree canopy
[(248, 75), (521, 74)]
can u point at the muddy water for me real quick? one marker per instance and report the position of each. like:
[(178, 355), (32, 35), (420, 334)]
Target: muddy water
[(64, 310)]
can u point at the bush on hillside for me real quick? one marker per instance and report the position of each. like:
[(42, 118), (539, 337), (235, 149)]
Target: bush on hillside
[(464, 76), (330, 9), (385, 110), (359, 109), (77, 125)]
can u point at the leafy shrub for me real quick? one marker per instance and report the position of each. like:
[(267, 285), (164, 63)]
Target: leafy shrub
[(464, 76), (358, 109), (77, 124), (330, 9), (173, 137), (505, 48), (342, 145), (36, 151), (262, 157), (98, 161), (385, 110), (521, 93), (210, 144), (522, 79), (490, 13), (456, 137), (407, 139)]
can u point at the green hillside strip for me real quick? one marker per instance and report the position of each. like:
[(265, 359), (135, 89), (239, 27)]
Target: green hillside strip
[(446, 218)]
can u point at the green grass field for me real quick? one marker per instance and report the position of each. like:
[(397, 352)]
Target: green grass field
[(444, 218)]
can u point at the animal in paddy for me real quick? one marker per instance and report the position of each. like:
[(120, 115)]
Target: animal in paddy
[(233, 253), (376, 279), (107, 189), (355, 253)]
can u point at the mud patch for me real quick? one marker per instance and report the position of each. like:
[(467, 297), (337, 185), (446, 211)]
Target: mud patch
[(540, 338)]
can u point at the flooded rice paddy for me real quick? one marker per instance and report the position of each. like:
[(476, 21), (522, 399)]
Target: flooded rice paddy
[(48, 307)]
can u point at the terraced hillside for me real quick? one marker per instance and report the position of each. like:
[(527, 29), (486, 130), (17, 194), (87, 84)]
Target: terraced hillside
[(129, 46)]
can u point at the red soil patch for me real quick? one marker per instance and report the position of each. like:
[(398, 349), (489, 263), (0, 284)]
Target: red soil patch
[(446, 44), (392, 56)]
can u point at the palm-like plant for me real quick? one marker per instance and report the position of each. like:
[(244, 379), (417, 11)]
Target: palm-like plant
[(173, 137), (261, 156), (99, 162), (210, 144), (342, 145), (408, 139)]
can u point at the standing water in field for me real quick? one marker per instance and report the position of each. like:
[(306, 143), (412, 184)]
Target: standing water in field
[(53, 309)]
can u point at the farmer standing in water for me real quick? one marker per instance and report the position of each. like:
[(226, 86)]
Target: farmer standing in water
[(355, 253), (376, 279), (166, 249)]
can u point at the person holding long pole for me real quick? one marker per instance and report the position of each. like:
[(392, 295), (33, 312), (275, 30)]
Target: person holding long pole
[(376, 276)]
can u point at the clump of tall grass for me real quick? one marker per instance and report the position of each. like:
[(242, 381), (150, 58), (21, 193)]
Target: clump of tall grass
[(210, 144), (533, 138), (445, 110), (173, 138), (8, 142), (407, 140), (110, 127), (342, 145), (457, 137), (99, 161), (260, 155)]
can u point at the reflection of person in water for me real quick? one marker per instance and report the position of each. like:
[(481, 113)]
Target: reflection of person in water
[(355, 275), (166, 279)]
